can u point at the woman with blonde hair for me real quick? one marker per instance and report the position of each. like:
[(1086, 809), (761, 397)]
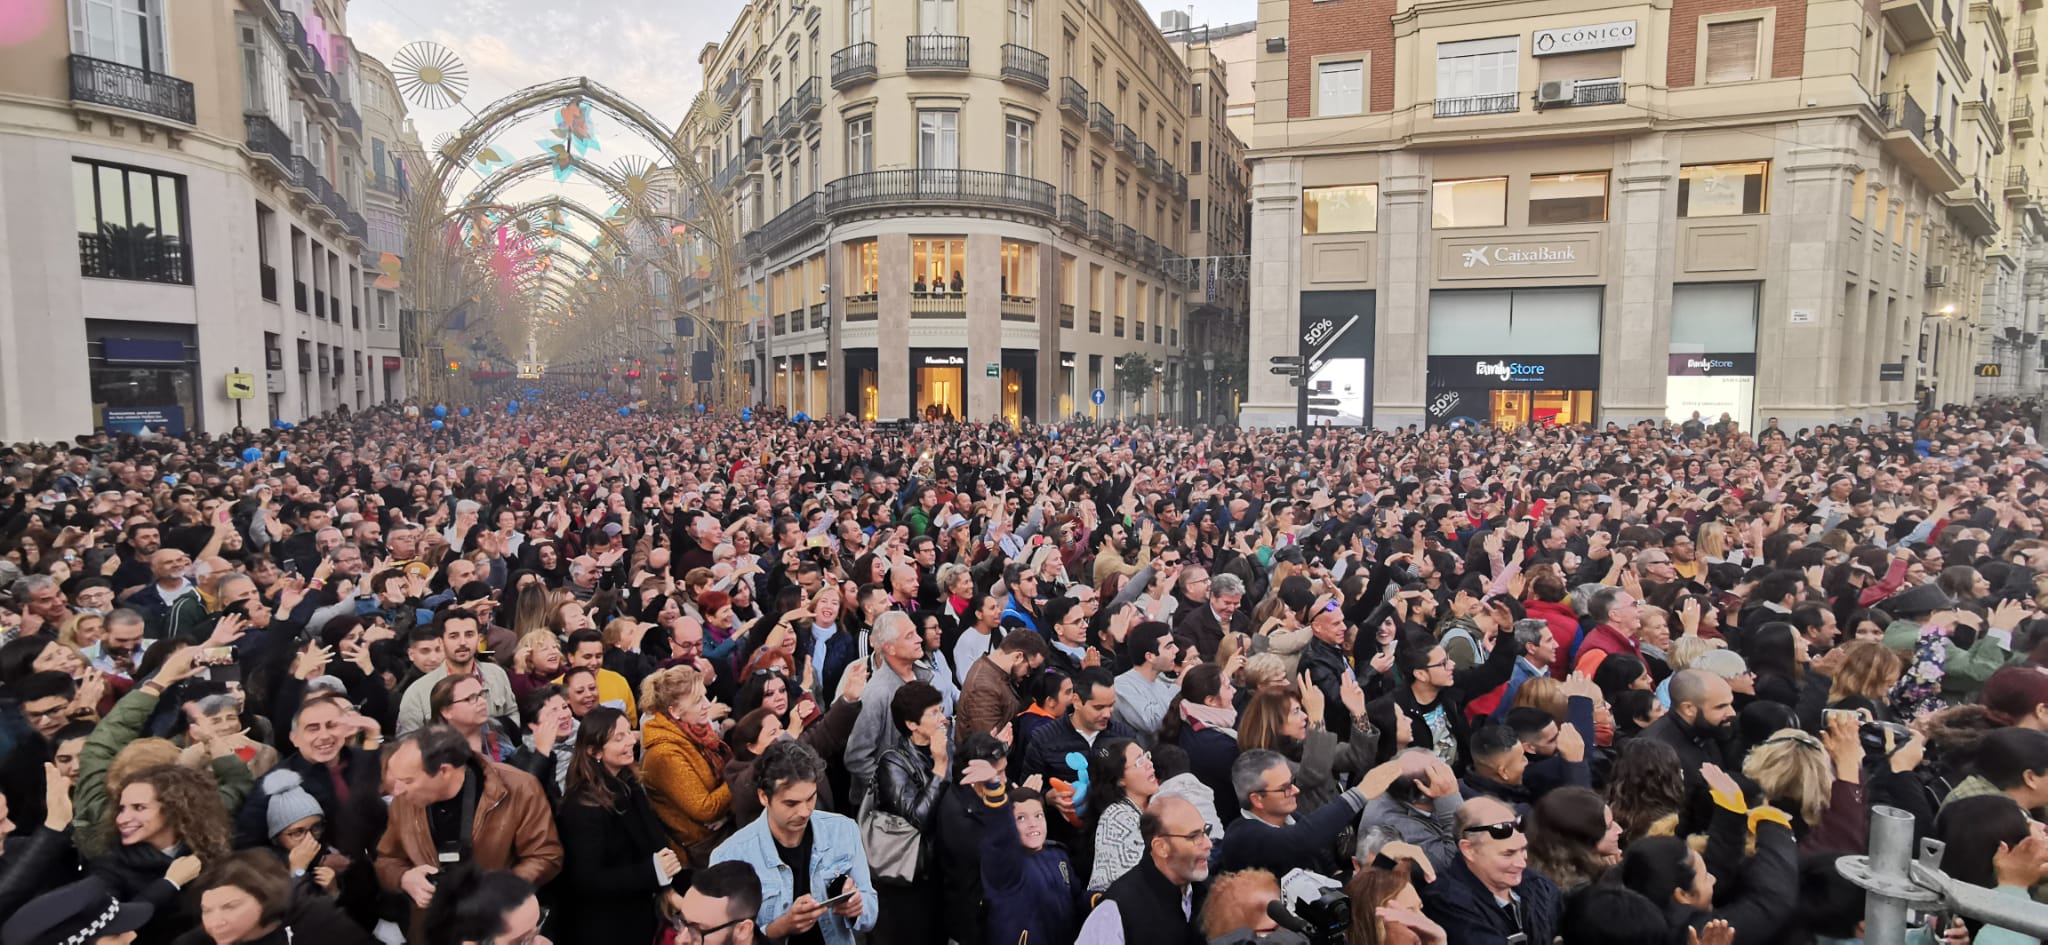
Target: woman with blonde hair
[(82, 630), (1546, 694), (1819, 783), (537, 660), (529, 611), (1715, 541), (683, 763), (1863, 674)]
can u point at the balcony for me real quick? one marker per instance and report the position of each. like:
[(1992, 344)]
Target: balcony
[(2026, 57), (1095, 320), (266, 139), (1074, 97), (295, 48), (939, 188), (935, 53), (319, 303), (299, 296), (803, 218), (1019, 308), (1074, 213), (351, 122), (938, 304), (137, 254), (1126, 239), (1127, 140), (1066, 314), (1102, 121), (266, 281), (1026, 66), (853, 65), (2021, 121), (729, 90), (1987, 113), (809, 99), (1469, 105), (1101, 227), (750, 152), (117, 85), (1970, 206), (818, 317), (1597, 92), (1148, 251), (2016, 184), (1914, 19), (861, 308)]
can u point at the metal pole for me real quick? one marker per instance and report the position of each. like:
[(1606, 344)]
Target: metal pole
[(1891, 857)]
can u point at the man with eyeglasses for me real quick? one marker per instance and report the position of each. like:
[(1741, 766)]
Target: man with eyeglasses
[(1159, 899), (1489, 896), (1269, 836), (719, 906)]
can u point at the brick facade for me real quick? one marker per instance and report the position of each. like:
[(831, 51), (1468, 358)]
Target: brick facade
[(1339, 26), (1788, 43)]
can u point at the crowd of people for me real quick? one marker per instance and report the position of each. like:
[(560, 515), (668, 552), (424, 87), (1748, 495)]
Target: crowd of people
[(583, 674)]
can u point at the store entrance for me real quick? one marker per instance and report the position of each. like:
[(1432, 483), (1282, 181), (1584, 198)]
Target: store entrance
[(1515, 409)]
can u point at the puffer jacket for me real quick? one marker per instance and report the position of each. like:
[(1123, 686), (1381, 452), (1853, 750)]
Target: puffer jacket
[(691, 799)]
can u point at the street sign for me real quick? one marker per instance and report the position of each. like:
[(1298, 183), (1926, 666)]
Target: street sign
[(1284, 369), (1286, 359), (1297, 382), (995, 369), (1891, 371), (241, 386), (1322, 401), (1098, 397)]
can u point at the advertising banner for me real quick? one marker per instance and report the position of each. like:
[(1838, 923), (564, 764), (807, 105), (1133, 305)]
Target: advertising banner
[(1336, 346)]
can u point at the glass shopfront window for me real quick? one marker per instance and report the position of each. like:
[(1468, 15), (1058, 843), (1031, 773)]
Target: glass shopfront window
[(143, 376), (940, 388), (1467, 203), (1722, 190), (1567, 198), (1353, 209), (1068, 395)]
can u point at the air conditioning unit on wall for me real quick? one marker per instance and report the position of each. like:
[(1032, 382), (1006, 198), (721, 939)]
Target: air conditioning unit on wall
[(1555, 92), (1937, 276)]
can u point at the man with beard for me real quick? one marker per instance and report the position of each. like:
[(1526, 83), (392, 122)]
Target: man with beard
[(459, 641), (1701, 723), (1144, 691), (988, 699)]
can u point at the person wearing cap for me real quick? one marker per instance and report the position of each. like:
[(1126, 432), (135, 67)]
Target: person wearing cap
[(82, 913)]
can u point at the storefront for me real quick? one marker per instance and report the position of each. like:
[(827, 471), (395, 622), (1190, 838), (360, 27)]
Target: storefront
[(863, 386), (938, 388), (144, 376), (1068, 395), (1712, 367), (1513, 391), (1511, 358), (1336, 351), (1020, 385)]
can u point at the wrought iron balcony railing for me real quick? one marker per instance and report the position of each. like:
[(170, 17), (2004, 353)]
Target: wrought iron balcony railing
[(119, 85)]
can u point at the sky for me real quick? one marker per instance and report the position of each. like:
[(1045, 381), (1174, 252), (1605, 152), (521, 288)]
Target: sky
[(644, 49)]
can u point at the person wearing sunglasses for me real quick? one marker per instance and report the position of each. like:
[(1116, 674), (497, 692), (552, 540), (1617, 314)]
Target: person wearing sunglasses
[(1489, 895)]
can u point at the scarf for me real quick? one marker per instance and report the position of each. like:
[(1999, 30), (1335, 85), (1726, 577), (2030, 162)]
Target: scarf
[(1210, 717), (714, 749)]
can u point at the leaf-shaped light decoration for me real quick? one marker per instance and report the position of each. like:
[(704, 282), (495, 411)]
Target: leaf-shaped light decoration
[(390, 271), (429, 75), (573, 123), (490, 159)]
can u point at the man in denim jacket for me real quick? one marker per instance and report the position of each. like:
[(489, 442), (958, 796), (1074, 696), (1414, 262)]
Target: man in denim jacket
[(803, 855)]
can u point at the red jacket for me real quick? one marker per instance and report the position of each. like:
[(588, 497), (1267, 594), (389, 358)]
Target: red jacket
[(1564, 626), (1604, 640)]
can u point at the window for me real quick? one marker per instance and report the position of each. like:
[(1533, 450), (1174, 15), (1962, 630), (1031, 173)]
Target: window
[(1195, 215), (938, 139), (1481, 201), (1066, 168), (860, 145), (860, 21), (1340, 87), (131, 223), (1017, 147), (863, 266), (935, 263), (1568, 198), (1194, 157), (263, 73), (130, 32), (938, 17), (1478, 68), (1732, 50), (1352, 209), (1722, 190), (1197, 101), (1020, 271), (1020, 22)]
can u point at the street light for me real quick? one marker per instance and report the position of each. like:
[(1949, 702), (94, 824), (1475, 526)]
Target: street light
[(1208, 385)]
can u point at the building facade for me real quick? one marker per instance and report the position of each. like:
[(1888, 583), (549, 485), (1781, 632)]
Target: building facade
[(1219, 221), (388, 141), (950, 214), (208, 157), (1809, 210)]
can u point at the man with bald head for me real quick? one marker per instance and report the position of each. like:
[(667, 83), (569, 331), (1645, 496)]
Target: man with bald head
[(1490, 896), (1160, 899), (1701, 723)]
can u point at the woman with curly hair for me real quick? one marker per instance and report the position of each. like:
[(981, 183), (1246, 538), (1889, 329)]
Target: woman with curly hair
[(685, 761), (1573, 837), (1647, 786), (170, 822), (1864, 674)]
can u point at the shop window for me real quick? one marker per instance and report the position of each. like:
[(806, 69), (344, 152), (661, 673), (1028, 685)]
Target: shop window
[(1467, 203), (1732, 50), (1722, 190), (131, 223), (1340, 87), (1020, 272), (1350, 209), (1568, 198)]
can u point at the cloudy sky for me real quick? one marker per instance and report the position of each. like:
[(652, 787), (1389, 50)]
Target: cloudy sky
[(646, 49)]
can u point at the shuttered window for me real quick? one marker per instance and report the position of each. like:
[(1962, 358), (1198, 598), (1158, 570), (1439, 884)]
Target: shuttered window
[(1732, 51)]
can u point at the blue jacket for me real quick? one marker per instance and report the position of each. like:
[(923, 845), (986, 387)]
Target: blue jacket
[(835, 851), (1031, 896), (1460, 903), (1210, 754), (1014, 611)]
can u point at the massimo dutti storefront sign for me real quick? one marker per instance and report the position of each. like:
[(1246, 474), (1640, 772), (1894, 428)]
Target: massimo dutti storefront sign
[(1571, 39), (1472, 257)]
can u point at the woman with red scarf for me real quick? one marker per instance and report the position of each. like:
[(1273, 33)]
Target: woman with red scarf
[(684, 762)]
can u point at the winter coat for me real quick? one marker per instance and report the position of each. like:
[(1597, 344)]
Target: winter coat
[(1465, 908), (609, 883), (692, 799), (35, 861), (311, 920), (135, 873), (1032, 895), (514, 830)]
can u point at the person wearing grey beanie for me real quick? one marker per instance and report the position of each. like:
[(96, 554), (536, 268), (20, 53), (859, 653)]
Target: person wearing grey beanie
[(292, 813)]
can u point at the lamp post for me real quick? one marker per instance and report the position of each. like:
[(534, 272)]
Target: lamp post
[(1208, 390)]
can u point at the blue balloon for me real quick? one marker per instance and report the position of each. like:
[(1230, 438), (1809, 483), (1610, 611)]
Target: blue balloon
[(283, 455), (583, 395), (746, 413), (700, 408), (440, 410), (512, 407), (625, 411), (465, 411), (437, 424), (252, 454)]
